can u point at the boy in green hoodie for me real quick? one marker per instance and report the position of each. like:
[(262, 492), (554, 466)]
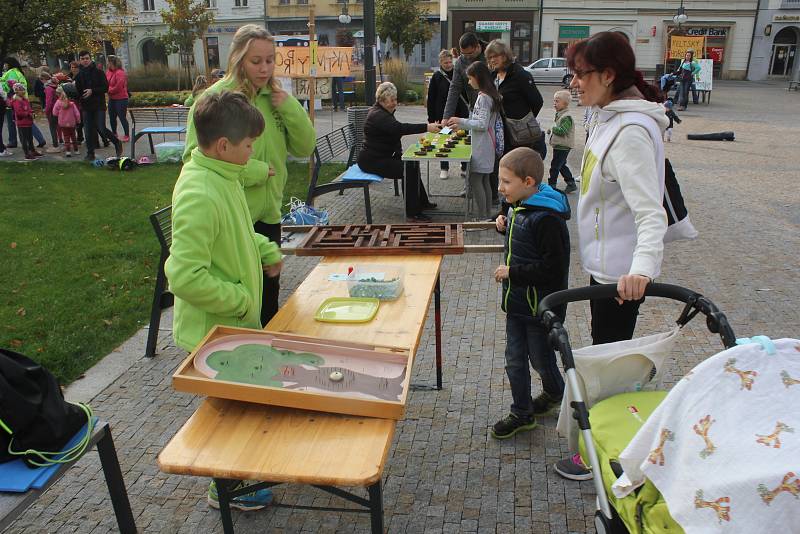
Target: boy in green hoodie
[(215, 263), (216, 258)]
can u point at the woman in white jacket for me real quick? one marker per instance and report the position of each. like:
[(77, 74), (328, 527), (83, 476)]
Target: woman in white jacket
[(621, 221)]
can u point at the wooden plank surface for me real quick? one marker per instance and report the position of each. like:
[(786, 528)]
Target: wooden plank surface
[(245, 441), (398, 323)]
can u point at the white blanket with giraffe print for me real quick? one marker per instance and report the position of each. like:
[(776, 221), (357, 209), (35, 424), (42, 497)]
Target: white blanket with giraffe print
[(723, 448)]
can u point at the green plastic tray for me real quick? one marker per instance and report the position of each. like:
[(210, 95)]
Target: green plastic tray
[(347, 310)]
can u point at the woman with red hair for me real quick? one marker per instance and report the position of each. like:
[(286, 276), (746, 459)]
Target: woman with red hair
[(621, 221)]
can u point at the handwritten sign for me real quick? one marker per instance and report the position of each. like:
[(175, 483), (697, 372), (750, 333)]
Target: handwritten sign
[(295, 61), (301, 86), (679, 44), (705, 81)]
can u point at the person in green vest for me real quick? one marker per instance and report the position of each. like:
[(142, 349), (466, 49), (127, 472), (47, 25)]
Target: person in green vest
[(12, 70), (251, 68), (688, 73)]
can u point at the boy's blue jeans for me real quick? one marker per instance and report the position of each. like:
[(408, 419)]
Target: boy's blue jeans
[(526, 340)]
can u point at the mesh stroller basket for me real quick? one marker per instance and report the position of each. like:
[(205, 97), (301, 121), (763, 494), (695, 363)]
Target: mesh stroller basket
[(646, 353)]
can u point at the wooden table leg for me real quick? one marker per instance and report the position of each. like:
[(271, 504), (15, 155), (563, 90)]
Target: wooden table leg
[(115, 483), (223, 487), (376, 507), (437, 315)]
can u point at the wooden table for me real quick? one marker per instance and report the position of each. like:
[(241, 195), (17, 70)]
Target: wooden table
[(231, 440)]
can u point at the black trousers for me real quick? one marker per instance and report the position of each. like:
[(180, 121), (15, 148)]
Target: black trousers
[(612, 321), (26, 138), (559, 166), (94, 124), (272, 286)]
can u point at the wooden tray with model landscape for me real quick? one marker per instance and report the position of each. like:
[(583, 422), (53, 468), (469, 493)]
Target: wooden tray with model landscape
[(382, 239)]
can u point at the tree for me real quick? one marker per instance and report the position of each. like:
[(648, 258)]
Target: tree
[(38, 27), (187, 22), (404, 22)]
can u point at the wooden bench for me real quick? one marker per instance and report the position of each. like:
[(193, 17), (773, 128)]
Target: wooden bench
[(12, 505), (156, 121), (328, 148), (162, 298)]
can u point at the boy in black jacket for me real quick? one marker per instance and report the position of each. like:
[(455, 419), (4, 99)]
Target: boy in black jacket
[(536, 264)]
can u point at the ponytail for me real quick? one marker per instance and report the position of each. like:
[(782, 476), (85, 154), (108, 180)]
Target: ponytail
[(648, 90)]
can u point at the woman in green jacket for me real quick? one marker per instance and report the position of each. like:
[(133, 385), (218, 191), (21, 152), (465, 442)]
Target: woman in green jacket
[(251, 67), (12, 71)]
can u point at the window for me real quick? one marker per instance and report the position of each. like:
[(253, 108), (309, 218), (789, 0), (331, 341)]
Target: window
[(302, 2), (559, 63), (212, 50), (422, 54), (149, 5), (211, 4), (541, 64), (240, 3), (283, 2)]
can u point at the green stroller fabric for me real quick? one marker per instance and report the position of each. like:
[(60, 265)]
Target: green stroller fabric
[(614, 422)]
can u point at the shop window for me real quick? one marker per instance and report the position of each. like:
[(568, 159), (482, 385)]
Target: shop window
[(212, 50)]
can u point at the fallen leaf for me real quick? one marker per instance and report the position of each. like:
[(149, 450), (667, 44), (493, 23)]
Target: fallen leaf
[(96, 275), (16, 342), (108, 323), (13, 244), (21, 312)]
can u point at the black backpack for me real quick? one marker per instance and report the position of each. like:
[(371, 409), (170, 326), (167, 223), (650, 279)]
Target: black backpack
[(35, 420)]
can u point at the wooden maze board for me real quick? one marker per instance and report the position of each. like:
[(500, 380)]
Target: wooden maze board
[(384, 239)]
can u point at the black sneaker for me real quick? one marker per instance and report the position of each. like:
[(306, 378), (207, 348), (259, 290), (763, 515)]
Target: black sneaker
[(510, 425), (573, 468), (545, 403), (571, 187), (41, 145), (89, 157), (118, 147)]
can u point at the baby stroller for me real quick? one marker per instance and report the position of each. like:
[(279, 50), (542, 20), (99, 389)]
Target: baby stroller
[(607, 436)]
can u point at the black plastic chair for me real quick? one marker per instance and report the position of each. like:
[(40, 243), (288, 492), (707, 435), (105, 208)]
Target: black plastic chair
[(162, 298)]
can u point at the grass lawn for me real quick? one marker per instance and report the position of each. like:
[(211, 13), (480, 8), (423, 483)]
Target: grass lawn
[(78, 256)]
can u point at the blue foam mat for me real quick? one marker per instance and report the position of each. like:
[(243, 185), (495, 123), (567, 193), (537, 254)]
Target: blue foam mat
[(17, 477), (354, 172)]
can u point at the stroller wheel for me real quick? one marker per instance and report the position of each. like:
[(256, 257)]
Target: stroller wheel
[(601, 523)]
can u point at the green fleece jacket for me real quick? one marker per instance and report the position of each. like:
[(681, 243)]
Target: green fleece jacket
[(288, 131), (214, 265)]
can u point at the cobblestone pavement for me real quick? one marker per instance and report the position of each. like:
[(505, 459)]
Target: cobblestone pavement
[(444, 473)]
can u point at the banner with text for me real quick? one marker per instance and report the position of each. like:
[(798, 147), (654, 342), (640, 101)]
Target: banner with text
[(301, 88), (679, 44), (295, 61)]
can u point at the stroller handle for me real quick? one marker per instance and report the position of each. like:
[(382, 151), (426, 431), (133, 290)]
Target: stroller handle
[(716, 321)]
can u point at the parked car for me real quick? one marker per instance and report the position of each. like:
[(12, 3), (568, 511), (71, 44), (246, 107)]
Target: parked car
[(550, 70)]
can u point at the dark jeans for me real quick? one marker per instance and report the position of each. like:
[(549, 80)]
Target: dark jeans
[(26, 138), (526, 340), (94, 123), (52, 122), (2, 120), (684, 94), (414, 191), (118, 109), (559, 166), (272, 286), (612, 321), (338, 93), (12, 127)]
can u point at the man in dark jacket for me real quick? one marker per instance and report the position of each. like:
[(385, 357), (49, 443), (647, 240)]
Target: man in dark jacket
[(471, 51), (92, 87)]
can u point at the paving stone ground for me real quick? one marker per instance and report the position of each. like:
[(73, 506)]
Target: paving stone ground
[(444, 472)]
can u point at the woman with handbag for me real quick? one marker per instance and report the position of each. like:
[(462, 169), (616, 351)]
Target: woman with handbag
[(621, 220), (521, 99)]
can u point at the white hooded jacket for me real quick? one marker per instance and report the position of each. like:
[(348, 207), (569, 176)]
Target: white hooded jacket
[(621, 220)]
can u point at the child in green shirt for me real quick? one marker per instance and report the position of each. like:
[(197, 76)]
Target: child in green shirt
[(215, 263), (562, 139)]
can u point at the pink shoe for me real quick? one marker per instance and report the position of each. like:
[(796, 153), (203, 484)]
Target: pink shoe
[(125, 138)]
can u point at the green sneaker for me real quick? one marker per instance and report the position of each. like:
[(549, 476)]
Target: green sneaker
[(545, 403), (251, 501), (510, 425)]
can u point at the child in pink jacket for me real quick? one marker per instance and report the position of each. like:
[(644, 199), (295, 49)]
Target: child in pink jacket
[(68, 116), (50, 85), (23, 115)]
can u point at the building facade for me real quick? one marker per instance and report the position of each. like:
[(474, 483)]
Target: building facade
[(775, 41), (513, 21), (726, 25)]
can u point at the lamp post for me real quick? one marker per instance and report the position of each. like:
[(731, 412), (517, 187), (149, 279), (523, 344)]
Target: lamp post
[(369, 51), (345, 17), (443, 24), (680, 17)]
